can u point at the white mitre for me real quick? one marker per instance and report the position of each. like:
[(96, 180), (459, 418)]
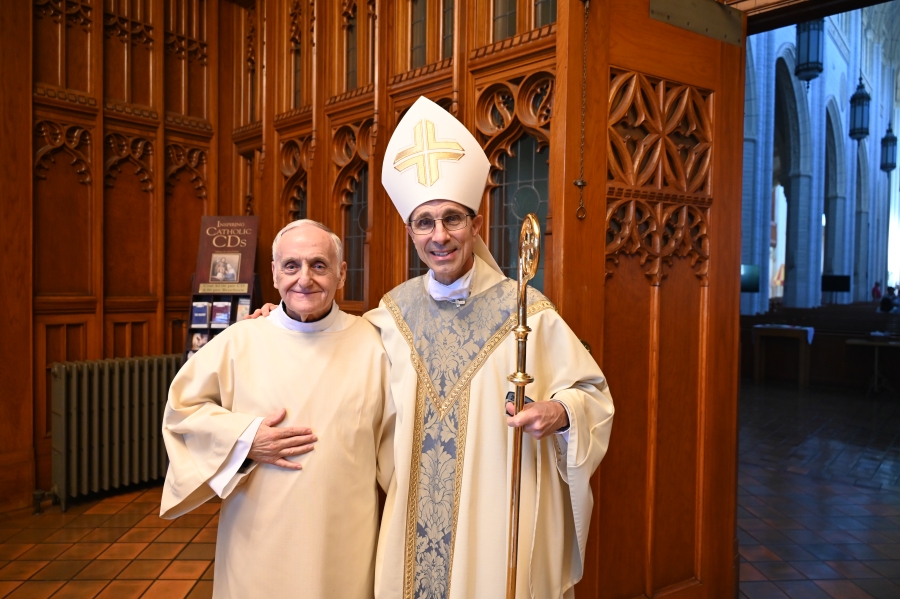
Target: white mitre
[(432, 156)]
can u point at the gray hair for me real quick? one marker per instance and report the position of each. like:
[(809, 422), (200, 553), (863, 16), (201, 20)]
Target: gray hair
[(338, 246)]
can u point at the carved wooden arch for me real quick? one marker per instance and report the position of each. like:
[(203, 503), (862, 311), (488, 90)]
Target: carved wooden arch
[(136, 150), (189, 159), (506, 111), (73, 140), (295, 161), (351, 149)]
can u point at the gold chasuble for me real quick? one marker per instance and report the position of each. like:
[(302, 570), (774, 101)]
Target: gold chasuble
[(288, 534), (444, 529)]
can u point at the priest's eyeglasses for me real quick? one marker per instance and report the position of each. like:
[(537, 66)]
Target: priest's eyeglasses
[(452, 222)]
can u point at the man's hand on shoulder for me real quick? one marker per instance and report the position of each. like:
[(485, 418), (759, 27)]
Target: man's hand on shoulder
[(264, 311), (539, 419), (272, 445)]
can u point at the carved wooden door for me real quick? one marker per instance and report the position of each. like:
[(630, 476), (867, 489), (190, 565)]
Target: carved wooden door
[(662, 163)]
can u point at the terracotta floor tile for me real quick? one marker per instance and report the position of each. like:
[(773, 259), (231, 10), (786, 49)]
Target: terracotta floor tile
[(139, 508), (5, 533), (206, 535), (213, 522), (854, 569), (762, 590), (169, 589), (20, 570), (31, 535), (106, 508), (14, 550), (88, 521), (202, 590), (817, 570), (802, 589), (843, 589), (166, 551), (185, 570), (7, 587), (35, 590), (151, 496), (124, 589), (778, 571), (140, 535), (177, 535), (103, 570), (191, 520), (122, 520), (210, 572), (748, 572), (124, 498), (206, 551), (154, 521), (207, 508), (84, 551), (880, 588), (147, 569), (104, 535), (61, 570), (757, 553), (52, 520), (123, 551), (80, 589), (45, 551), (68, 535)]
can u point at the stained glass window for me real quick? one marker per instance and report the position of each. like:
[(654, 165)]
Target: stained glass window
[(447, 30), (355, 223), (544, 12), (351, 51), (522, 188), (417, 33), (504, 19)]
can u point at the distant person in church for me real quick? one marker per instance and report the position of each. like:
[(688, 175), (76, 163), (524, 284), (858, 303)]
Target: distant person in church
[(285, 419), (889, 302), (876, 291), (447, 333)]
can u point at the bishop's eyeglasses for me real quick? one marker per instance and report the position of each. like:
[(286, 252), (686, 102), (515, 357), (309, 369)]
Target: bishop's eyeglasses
[(452, 222)]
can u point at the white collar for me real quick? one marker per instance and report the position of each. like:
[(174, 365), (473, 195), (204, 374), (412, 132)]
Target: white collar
[(457, 291), (284, 321)]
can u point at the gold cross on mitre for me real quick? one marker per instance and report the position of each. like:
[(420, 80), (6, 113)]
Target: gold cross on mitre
[(425, 154)]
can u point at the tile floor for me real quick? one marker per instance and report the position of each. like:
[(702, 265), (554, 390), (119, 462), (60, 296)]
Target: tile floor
[(115, 548), (818, 496), (818, 516)]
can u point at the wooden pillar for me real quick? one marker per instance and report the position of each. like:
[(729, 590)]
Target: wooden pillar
[(16, 441)]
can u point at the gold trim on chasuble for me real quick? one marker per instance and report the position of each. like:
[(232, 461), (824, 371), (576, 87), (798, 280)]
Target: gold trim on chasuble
[(451, 408)]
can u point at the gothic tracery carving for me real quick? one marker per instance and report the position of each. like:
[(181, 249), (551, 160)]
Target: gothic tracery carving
[(505, 111), (192, 161), (656, 232), (73, 140), (660, 134), (295, 161), (77, 13), (136, 150), (351, 149)]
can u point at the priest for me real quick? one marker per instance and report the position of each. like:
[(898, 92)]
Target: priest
[(287, 419), (445, 525)]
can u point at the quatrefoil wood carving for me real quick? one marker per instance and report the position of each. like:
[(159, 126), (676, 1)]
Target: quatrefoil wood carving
[(660, 134)]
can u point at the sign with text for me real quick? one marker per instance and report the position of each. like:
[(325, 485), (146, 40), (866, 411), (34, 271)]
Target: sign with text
[(227, 254)]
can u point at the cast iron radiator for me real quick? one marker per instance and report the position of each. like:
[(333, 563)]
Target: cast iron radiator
[(106, 423)]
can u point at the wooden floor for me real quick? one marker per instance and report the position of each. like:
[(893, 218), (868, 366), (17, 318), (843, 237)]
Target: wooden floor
[(117, 548)]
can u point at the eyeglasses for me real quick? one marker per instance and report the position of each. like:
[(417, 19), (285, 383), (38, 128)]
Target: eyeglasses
[(426, 224)]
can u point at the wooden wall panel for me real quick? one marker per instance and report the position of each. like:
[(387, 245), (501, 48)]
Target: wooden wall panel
[(128, 335), (128, 217), (16, 254), (62, 209), (186, 204)]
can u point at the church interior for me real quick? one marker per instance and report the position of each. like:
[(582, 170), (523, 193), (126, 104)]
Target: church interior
[(739, 293)]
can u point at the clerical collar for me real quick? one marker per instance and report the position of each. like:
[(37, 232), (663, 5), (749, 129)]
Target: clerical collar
[(286, 322), (457, 292)]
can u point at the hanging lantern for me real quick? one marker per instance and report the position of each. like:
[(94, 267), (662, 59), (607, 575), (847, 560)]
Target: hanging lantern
[(859, 112), (889, 151), (810, 50)]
